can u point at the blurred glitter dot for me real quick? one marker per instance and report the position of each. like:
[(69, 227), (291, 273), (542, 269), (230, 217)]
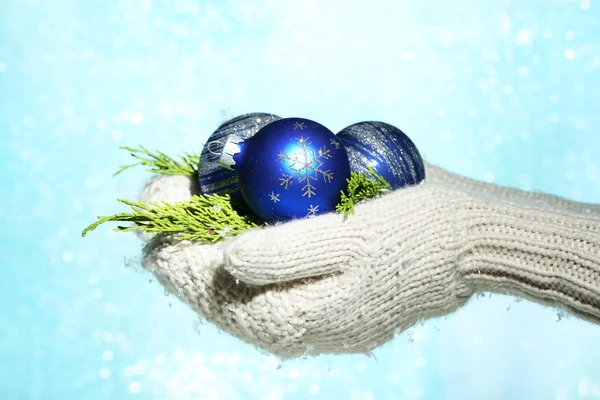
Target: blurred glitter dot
[(394, 378), (134, 387), (488, 177), (569, 175), (108, 337), (179, 354), (232, 373), (120, 338), (234, 359), (110, 308), (569, 54), (523, 71), (97, 294), (554, 98), (25, 155), (107, 355), (524, 37), (292, 387), (313, 389), (361, 366), (29, 122), (585, 4), (580, 124), (104, 373), (498, 139), (181, 108), (247, 376), (2, 66), (583, 389), (137, 118), (217, 358), (96, 335), (293, 374), (199, 358), (171, 383), (93, 279), (569, 35), (159, 359), (116, 135), (420, 362), (77, 206), (67, 257), (368, 396)]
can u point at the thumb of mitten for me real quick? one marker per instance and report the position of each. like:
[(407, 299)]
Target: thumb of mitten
[(294, 250)]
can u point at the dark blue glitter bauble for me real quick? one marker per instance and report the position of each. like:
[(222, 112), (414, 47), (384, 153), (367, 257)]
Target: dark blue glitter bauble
[(291, 168), (213, 177), (386, 149)]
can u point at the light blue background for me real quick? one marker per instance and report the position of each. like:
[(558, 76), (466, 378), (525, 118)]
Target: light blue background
[(505, 91)]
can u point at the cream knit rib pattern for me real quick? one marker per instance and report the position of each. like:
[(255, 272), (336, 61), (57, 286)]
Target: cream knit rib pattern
[(500, 193), (329, 285)]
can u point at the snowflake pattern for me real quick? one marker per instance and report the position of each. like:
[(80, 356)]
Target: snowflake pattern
[(306, 165), (299, 125), (274, 197), (335, 143), (312, 210)]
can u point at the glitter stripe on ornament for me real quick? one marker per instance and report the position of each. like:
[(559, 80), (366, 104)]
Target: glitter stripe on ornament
[(213, 177), (386, 149)]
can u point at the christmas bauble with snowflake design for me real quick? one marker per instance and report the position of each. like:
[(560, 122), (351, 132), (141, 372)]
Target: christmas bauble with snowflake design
[(291, 168)]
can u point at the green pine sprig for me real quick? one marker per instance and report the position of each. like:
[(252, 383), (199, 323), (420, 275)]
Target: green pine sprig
[(206, 217), (160, 163), (210, 218), (361, 187)]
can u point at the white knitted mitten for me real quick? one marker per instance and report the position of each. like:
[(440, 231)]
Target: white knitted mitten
[(329, 285)]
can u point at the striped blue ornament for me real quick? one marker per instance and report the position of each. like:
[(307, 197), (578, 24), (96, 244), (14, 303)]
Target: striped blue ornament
[(386, 149), (213, 177)]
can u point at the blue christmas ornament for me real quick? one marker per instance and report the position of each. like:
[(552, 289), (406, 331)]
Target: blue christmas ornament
[(386, 149), (212, 176), (291, 168)]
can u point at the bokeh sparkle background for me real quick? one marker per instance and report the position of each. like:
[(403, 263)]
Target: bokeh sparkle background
[(503, 91)]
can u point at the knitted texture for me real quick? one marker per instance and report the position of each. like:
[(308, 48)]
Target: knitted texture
[(333, 285)]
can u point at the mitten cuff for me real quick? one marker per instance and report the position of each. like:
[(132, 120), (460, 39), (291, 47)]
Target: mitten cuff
[(549, 257)]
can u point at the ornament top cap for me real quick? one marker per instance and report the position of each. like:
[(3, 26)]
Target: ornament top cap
[(230, 149)]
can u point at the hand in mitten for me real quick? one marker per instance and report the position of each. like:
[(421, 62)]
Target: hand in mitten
[(333, 285)]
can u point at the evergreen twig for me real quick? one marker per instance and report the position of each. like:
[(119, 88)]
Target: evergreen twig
[(160, 163), (205, 217), (211, 217), (361, 187)]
